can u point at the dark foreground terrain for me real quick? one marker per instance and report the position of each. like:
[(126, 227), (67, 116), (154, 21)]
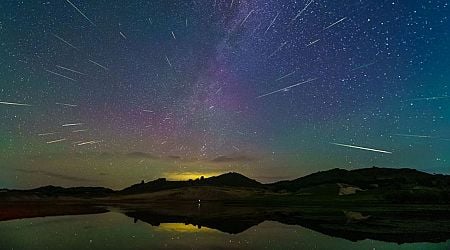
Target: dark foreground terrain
[(393, 205)]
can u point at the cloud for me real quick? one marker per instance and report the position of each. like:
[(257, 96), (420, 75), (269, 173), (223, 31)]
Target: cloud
[(55, 175), (237, 158)]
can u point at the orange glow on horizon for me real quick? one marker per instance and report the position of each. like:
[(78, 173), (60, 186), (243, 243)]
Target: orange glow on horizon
[(190, 175)]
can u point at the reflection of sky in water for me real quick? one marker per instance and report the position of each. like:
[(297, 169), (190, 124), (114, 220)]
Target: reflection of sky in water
[(116, 231), (184, 228)]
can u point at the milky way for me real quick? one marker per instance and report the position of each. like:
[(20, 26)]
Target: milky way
[(111, 92)]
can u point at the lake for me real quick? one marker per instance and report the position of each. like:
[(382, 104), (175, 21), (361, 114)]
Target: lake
[(114, 230)]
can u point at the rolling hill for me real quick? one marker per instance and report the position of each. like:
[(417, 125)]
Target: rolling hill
[(379, 184)]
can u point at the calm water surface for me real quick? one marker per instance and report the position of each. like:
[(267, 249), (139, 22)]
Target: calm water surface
[(116, 231)]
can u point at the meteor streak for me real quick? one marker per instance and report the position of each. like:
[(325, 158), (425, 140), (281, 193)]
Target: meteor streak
[(55, 141), (282, 77), (71, 70), (71, 124), (278, 49), (98, 64), (54, 73), (362, 148), (65, 104), (331, 25), (168, 61), (14, 104), (88, 143), (79, 130), (415, 136), (430, 98), (64, 41), (288, 87), (300, 12), (79, 11), (271, 23), (50, 133), (313, 42), (245, 19), (362, 66)]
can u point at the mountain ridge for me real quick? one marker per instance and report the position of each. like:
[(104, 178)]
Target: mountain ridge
[(387, 184)]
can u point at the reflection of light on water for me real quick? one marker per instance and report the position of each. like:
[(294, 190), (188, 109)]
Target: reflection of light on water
[(183, 228)]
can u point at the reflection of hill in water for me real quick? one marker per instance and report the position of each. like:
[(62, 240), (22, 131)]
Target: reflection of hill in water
[(381, 224), (185, 228), (400, 224), (227, 225)]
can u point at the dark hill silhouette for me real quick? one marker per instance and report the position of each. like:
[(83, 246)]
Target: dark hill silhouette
[(54, 191), (232, 180), (380, 184), (224, 180), (367, 178), (153, 186)]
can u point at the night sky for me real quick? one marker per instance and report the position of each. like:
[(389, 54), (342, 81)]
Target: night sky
[(110, 92)]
